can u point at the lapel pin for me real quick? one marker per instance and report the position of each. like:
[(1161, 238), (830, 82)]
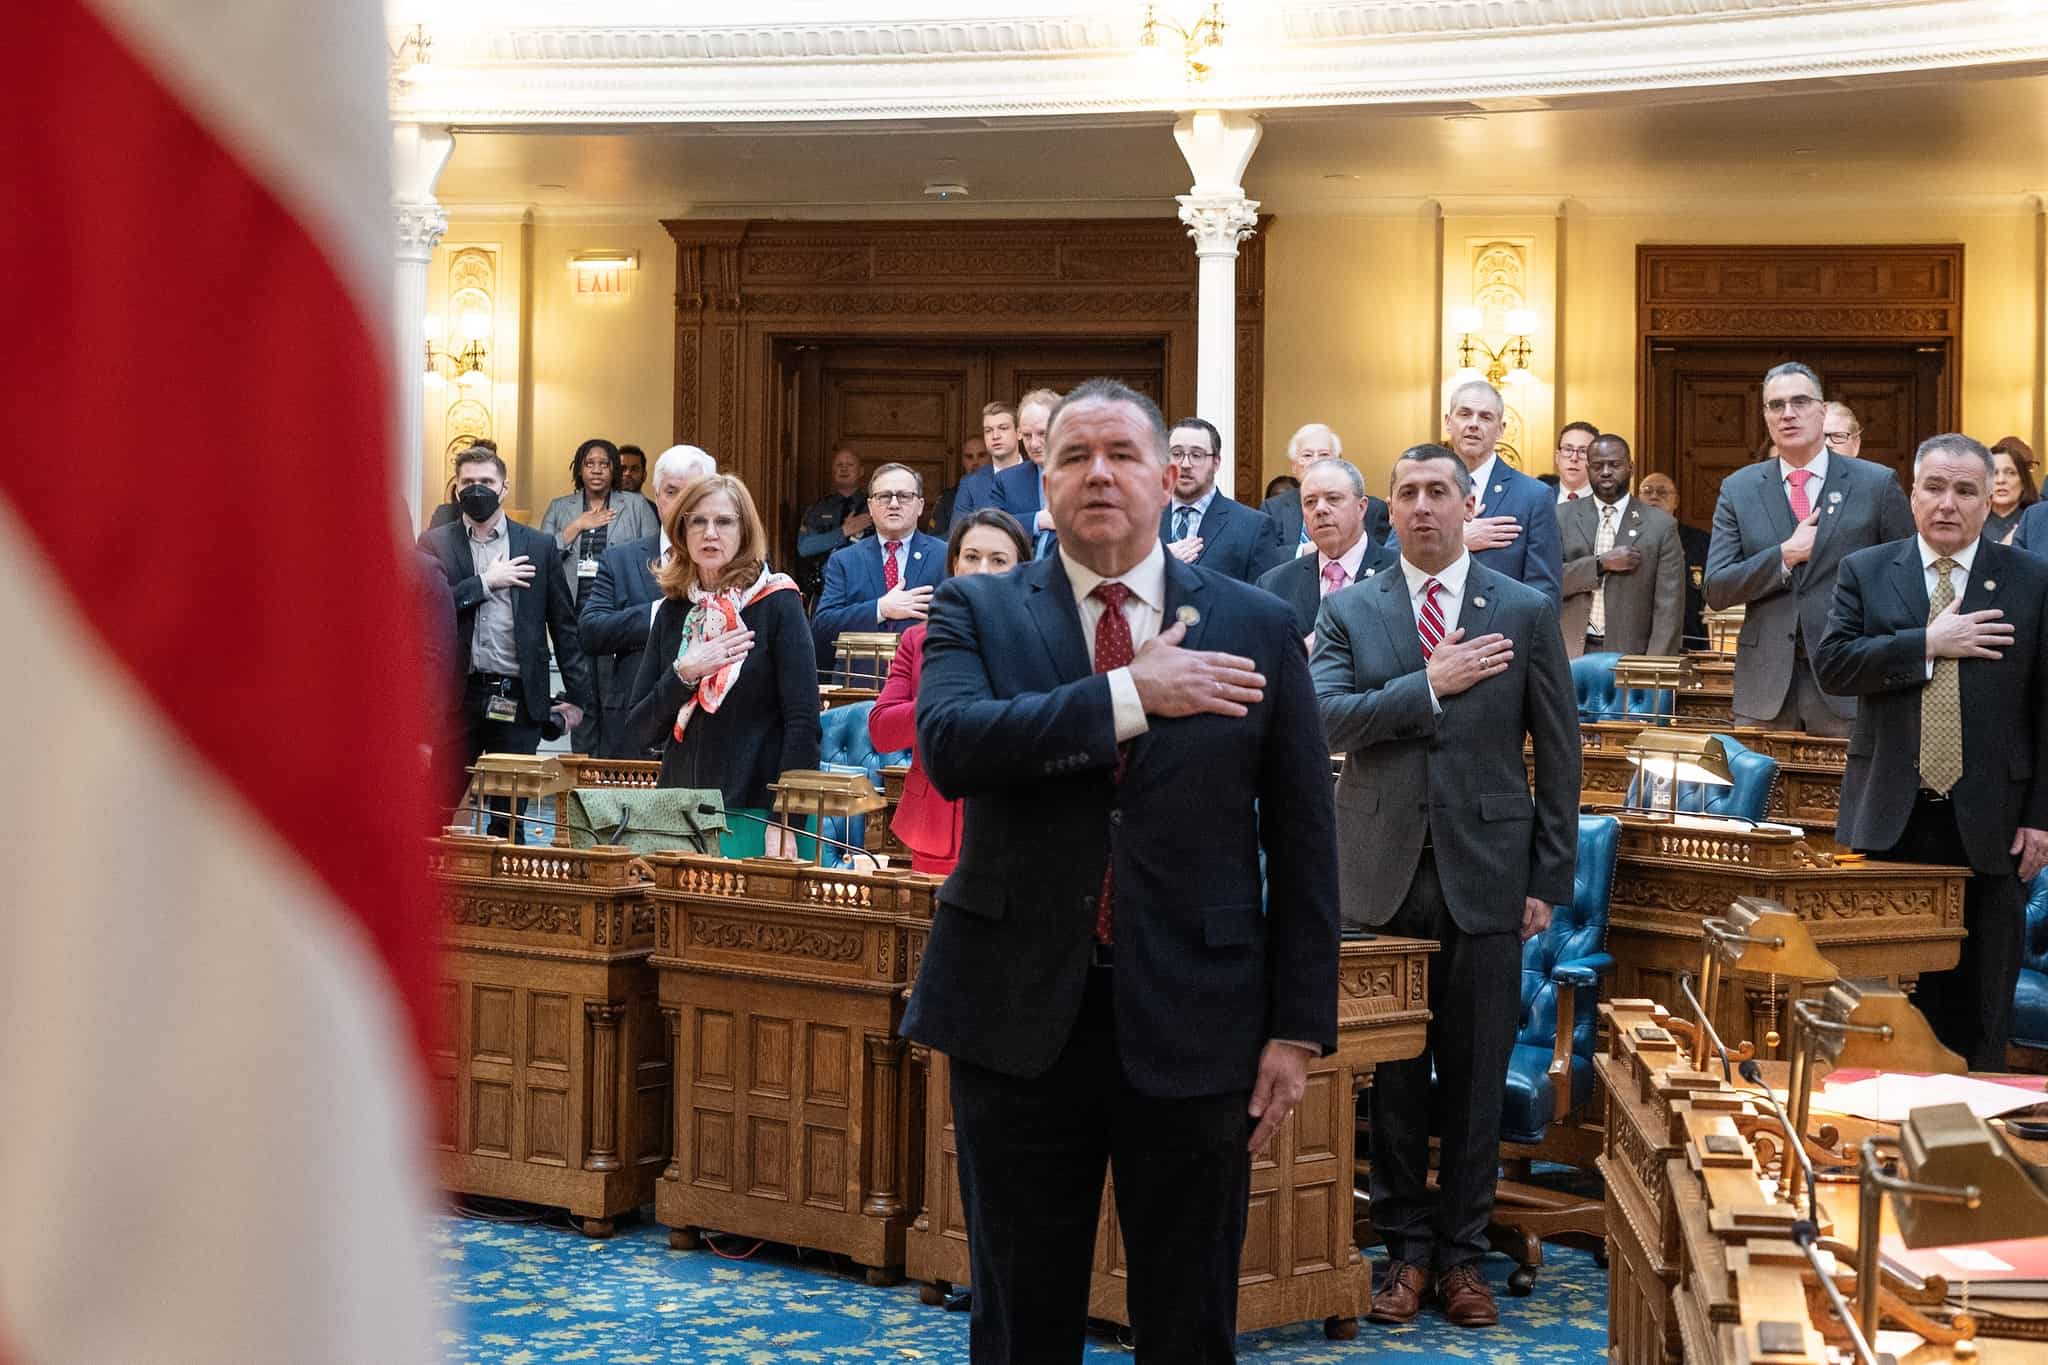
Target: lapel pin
[(1835, 496), (1370, 572), (1478, 601), (1990, 585), (1497, 487), (1633, 532), (1188, 617)]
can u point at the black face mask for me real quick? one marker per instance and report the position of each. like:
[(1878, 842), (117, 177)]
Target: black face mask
[(479, 502)]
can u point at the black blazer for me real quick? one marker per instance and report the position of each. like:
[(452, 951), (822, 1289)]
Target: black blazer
[(1285, 510), (1875, 650), (543, 609), (1299, 582), (768, 723), (1012, 718), (1237, 541)]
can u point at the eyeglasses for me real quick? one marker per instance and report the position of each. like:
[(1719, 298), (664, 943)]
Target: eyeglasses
[(1189, 455), (1835, 438), (894, 497), (1799, 404), (1578, 452), (724, 525)]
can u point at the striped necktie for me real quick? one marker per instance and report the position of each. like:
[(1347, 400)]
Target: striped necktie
[(1429, 620)]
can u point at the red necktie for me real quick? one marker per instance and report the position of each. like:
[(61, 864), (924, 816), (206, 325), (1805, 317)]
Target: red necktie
[(1801, 508), (1430, 621), (1571, 497), (891, 575), (1112, 651)]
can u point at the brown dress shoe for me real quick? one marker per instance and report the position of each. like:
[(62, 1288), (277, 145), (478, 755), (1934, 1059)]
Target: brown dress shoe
[(1466, 1299), (1400, 1295)]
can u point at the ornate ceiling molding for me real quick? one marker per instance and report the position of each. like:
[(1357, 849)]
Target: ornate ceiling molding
[(1294, 56)]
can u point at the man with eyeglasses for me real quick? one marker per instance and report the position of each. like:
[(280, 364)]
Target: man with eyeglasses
[(1200, 525), (1781, 529), (1841, 431), (1574, 446), (883, 581)]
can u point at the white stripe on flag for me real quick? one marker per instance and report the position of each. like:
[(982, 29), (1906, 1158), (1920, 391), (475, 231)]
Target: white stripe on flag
[(211, 1151)]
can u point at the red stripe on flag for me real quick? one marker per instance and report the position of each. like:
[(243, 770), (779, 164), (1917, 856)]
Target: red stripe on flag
[(198, 428)]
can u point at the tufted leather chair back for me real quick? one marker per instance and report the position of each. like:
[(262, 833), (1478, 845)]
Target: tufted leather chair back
[(1749, 797), (845, 746), (1593, 681), (2030, 994), (1577, 930)]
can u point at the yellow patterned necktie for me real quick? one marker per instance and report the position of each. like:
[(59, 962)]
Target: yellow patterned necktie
[(1941, 702)]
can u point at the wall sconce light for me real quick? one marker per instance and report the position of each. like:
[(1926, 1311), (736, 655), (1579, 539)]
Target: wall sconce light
[(412, 51), (1201, 43), (605, 260), (1506, 363), (465, 366)]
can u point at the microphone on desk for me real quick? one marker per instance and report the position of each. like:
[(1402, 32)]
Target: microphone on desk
[(1805, 1231)]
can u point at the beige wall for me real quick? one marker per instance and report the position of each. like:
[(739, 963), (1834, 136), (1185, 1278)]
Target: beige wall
[(1351, 307), (2001, 294), (1353, 327), (565, 367), (1354, 320)]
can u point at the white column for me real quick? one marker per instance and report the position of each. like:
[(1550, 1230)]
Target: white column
[(418, 152), (1217, 147)]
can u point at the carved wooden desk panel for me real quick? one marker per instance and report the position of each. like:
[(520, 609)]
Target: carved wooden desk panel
[(1300, 1262), (1707, 689), (880, 837), (550, 1078), (783, 985), (1808, 792), (1895, 920)]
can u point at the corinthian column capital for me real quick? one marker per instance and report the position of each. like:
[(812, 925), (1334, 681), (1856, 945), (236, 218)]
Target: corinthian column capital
[(1218, 222)]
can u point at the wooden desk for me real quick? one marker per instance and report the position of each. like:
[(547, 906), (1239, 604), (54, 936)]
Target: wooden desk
[(1895, 920), (881, 837), (1706, 689), (550, 1079), (782, 986), (1699, 1249), (1300, 1261), (1808, 792)]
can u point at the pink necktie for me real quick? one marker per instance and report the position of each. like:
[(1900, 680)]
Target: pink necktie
[(1430, 621), (1801, 508), (1333, 577)]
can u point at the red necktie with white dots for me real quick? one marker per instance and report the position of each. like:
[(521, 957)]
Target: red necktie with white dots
[(891, 574)]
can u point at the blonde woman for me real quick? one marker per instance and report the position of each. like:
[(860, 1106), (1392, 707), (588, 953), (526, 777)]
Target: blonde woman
[(729, 676)]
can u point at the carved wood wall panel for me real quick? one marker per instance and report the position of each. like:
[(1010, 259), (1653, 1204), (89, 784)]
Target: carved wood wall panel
[(745, 286)]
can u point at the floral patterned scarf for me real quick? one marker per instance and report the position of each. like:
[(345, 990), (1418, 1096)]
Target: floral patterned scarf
[(712, 614)]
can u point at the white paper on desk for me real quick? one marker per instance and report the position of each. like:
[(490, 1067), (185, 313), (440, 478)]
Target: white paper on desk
[(1888, 1098)]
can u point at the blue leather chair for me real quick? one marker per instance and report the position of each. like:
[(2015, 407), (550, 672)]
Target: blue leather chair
[(1749, 797), (2030, 996), (1599, 699), (1550, 1072), (846, 748)]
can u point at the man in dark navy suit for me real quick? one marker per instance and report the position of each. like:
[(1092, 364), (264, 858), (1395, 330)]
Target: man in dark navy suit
[(1128, 732), (999, 438), (1513, 529), (619, 609), (884, 581), (1020, 489), (1202, 525), (1343, 550)]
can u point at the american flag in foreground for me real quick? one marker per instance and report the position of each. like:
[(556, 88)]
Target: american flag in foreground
[(213, 959)]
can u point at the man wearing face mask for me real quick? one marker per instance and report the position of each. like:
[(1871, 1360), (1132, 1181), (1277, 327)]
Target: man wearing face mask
[(504, 610)]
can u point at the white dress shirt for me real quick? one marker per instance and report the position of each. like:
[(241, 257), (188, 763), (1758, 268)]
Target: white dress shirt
[(1450, 599), (1564, 495), (1620, 506), (1482, 482), (1958, 577), (654, 607), (1144, 610)]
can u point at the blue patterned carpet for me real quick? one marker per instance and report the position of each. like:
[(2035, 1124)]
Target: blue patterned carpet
[(526, 1294)]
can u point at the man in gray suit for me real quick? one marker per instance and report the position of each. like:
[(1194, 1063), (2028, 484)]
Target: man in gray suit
[(1624, 565), (1429, 677), (1781, 530)]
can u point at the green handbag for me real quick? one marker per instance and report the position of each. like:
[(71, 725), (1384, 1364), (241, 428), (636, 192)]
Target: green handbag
[(646, 819)]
